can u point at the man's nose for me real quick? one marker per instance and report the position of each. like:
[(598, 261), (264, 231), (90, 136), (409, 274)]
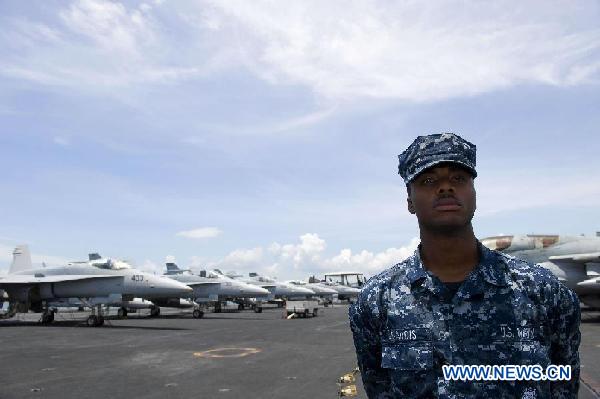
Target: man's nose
[(445, 185)]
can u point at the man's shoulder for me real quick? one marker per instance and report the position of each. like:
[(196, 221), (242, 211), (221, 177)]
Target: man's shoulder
[(379, 281), (525, 272), (535, 279)]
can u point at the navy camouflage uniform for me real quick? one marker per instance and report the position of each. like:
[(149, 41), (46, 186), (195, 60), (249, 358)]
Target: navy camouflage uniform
[(407, 323), (507, 311)]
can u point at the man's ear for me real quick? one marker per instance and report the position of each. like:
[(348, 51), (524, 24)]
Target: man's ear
[(411, 207)]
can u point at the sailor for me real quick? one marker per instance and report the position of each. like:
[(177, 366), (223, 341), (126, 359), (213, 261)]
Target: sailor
[(456, 302)]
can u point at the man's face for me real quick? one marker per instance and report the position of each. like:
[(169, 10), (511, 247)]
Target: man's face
[(443, 197)]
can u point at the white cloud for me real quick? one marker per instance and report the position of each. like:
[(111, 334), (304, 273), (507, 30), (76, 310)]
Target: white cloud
[(369, 262), (200, 233), (242, 259), (62, 141), (415, 51), (340, 50), (109, 25), (152, 267), (299, 260)]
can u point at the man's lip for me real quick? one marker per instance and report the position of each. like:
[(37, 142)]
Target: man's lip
[(446, 201), (444, 208), (447, 204)]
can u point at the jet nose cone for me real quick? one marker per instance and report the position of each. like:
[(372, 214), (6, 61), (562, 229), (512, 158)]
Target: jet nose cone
[(327, 291), (259, 291), (165, 287), (251, 291)]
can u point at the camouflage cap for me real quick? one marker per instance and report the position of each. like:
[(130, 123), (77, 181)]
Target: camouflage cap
[(427, 151)]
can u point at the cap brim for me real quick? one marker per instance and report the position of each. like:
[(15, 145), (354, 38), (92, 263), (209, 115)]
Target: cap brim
[(431, 164)]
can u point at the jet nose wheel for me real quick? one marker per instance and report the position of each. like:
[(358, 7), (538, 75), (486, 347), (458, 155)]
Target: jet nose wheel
[(122, 313), (198, 314)]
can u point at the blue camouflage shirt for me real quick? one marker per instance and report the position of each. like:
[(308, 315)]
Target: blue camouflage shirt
[(507, 311)]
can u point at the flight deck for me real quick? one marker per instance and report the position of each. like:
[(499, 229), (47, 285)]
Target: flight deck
[(223, 355)]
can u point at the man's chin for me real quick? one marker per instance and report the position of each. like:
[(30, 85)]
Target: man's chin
[(448, 227)]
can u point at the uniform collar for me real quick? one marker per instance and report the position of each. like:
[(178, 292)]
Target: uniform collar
[(491, 269)]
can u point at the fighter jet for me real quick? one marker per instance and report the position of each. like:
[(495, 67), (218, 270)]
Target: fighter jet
[(29, 288), (344, 292), (211, 286), (575, 260), (347, 284), (125, 306), (278, 289), (321, 290)]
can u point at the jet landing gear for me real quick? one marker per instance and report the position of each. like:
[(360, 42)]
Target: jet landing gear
[(122, 313), (198, 314), (154, 311), (96, 319), (48, 316)]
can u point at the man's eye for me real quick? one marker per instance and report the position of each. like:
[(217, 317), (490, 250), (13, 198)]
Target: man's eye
[(428, 180), (459, 178)]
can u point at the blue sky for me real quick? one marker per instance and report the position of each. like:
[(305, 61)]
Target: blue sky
[(256, 137)]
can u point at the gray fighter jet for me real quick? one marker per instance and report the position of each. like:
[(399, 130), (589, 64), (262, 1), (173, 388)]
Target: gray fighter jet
[(30, 288), (211, 286), (321, 290), (575, 260), (278, 289)]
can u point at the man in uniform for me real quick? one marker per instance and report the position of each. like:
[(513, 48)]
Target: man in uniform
[(456, 302)]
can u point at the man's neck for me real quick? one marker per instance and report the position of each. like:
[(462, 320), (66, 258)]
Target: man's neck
[(449, 256)]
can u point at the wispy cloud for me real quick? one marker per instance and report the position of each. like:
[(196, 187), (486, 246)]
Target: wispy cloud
[(415, 51), (406, 50), (200, 233), (61, 141)]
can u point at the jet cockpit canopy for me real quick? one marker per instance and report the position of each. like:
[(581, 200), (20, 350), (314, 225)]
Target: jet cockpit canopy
[(110, 264)]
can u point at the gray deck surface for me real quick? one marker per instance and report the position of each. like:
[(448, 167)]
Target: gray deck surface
[(257, 355)]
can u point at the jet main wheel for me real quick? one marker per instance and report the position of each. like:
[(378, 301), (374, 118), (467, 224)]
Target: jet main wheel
[(100, 321), (258, 309), (122, 313), (92, 321), (47, 318), (198, 314), (155, 311), (240, 306)]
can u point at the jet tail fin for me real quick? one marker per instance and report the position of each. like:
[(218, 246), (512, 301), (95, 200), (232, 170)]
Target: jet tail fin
[(21, 259), (172, 268)]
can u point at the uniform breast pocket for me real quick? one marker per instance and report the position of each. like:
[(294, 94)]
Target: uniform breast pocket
[(534, 352), (407, 356), (525, 352)]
